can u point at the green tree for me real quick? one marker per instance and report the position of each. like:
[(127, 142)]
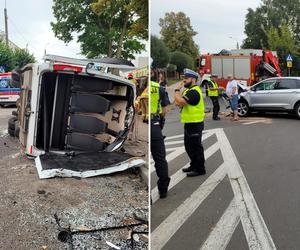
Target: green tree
[(271, 13), (177, 33), (111, 28), (22, 57), (281, 39), (181, 60), (159, 53), (7, 58)]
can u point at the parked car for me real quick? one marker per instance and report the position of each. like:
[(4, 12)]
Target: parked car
[(74, 115), (280, 94)]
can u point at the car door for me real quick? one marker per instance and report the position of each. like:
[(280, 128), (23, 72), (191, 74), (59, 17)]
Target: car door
[(260, 93), (283, 94)]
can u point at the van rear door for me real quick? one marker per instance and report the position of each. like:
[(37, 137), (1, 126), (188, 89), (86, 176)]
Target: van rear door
[(85, 164)]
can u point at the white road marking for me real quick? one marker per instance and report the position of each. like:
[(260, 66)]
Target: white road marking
[(211, 131), (163, 233), (256, 231), (172, 149), (243, 207), (224, 229), (249, 123), (173, 137), (176, 153), (179, 175), (174, 142)]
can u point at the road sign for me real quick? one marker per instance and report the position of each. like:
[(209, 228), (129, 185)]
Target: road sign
[(289, 58), (289, 64)]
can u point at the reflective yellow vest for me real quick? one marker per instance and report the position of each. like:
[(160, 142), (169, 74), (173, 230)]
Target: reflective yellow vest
[(193, 113), (154, 98), (145, 92), (213, 92)]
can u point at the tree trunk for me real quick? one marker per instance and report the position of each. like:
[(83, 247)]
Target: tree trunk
[(120, 44), (109, 54)]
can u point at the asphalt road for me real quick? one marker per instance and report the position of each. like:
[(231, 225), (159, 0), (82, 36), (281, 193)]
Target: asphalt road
[(249, 198)]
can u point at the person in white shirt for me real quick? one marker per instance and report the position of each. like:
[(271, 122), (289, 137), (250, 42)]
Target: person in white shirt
[(232, 93)]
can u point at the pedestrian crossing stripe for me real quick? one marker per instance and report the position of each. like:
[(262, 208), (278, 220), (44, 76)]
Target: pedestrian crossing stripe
[(242, 208), (176, 151)]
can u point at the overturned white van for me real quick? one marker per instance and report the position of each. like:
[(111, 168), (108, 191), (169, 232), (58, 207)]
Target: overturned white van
[(74, 115)]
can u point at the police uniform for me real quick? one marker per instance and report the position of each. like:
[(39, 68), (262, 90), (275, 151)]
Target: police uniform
[(214, 96), (192, 115), (159, 99)]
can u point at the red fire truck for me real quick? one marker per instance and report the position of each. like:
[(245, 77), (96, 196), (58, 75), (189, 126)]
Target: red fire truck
[(248, 66)]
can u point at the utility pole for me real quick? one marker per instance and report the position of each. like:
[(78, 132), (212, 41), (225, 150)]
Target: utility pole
[(6, 27)]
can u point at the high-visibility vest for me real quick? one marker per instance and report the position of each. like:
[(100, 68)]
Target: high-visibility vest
[(193, 113), (213, 92), (145, 92), (154, 96)]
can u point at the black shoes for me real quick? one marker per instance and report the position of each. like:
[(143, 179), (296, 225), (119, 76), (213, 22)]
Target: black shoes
[(216, 118), (194, 173), (163, 195), (185, 170)]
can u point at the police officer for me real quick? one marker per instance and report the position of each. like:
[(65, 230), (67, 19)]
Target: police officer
[(158, 106), (213, 93), (192, 115)]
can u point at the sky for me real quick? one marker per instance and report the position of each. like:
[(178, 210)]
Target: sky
[(29, 23), (214, 20)]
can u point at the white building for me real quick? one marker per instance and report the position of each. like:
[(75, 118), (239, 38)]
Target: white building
[(10, 43)]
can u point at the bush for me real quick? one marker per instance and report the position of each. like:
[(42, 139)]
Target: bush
[(10, 58)]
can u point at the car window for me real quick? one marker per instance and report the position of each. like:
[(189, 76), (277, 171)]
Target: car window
[(298, 84), (266, 85), (269, 85), (286, 84), (260, 86)]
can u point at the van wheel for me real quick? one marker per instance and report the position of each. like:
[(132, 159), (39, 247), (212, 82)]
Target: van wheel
[(14, 113), (297, 110), (243, 109), (11, 132), (11, 122), (17, 130)]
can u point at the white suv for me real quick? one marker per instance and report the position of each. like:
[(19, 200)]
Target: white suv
[(273, 94)]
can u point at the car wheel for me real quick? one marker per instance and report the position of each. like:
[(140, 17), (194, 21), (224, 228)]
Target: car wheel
[(243, 109), (297, 110), (11, 122)]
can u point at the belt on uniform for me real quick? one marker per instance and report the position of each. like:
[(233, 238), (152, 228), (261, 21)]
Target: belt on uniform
[(155, 117)]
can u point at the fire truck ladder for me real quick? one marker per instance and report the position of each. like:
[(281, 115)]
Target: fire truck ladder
[(269, 68)]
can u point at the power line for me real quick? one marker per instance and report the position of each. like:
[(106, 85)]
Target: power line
[(20, 33)]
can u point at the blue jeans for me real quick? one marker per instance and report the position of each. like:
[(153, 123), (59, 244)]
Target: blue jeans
[(234, 102)]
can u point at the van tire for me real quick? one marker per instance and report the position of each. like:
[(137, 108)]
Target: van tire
[(14, 113), (11, 122), (17, 129), (11, 132)]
